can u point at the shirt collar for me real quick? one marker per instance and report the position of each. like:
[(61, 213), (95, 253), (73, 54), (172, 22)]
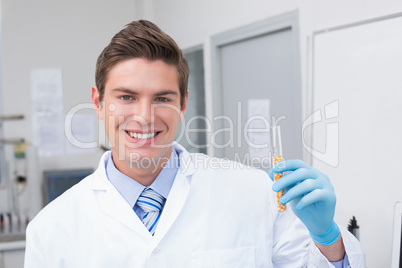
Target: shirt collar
[(130, 189)]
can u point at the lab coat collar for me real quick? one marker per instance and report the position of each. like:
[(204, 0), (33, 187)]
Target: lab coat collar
[(113, 203), (100, 179), (101, 182), (177, 196), (186, 161), (116, 206)]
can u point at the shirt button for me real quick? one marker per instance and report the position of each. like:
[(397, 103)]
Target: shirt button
[(156, 251)]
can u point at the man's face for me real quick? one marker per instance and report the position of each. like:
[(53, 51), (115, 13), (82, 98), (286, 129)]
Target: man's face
[(141, 111)]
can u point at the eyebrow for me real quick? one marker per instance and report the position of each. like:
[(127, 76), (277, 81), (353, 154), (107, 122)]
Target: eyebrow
[(167, 92), (125, 90), (132, 92)]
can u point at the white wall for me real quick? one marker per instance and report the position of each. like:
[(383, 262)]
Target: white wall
[(192, 23), (54, 34)]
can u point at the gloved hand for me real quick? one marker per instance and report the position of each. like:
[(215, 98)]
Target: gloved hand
[(311, 196)]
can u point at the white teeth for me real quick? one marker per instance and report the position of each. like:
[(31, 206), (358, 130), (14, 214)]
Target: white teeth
[(143, 135)]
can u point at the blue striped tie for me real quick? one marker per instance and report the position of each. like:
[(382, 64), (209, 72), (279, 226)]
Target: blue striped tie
[(151, 202)]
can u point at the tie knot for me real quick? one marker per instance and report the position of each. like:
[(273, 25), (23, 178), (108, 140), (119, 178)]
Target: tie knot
[(150, 200)]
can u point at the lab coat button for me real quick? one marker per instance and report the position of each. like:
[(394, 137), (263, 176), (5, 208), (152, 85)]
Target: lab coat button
[(156, 251)]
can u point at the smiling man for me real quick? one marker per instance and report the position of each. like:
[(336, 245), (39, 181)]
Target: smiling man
[(141, 105), (150, 203)]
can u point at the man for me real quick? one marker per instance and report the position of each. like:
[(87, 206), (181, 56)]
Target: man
[(152, 204)]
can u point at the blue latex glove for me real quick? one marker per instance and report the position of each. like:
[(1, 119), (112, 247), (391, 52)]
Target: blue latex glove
[(311, 196)]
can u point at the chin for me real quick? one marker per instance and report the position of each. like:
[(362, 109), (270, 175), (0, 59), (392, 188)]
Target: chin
[(143, 155)]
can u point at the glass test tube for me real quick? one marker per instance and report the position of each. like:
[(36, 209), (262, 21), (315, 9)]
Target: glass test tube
[(277, 157)]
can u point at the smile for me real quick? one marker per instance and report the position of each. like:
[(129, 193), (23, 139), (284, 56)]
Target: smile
[(142, 136)]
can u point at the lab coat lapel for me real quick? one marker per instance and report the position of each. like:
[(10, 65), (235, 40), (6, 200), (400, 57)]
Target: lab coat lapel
[(177, 195), (113, 204), (117, 207)]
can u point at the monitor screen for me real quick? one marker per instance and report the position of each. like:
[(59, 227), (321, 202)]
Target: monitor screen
[(57, 182)]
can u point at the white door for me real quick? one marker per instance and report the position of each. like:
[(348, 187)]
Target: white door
[(257, 62)]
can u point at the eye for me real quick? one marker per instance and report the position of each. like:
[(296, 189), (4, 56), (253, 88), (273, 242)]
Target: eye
[(162, 99), (126, 97)]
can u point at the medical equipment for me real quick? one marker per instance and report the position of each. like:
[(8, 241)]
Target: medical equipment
[(57, 182)]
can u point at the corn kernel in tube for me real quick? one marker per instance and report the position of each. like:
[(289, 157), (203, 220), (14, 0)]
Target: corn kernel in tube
[(277, 176)]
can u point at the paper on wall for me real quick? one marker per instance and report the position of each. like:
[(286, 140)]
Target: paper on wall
[(48, 134), (47, 91), (47, 105), (80, 134)]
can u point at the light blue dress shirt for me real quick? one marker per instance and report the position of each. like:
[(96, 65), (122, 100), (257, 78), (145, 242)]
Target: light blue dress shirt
[(343, 263), (131, 189)]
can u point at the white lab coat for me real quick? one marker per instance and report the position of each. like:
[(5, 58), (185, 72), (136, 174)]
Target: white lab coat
[(218, 214)]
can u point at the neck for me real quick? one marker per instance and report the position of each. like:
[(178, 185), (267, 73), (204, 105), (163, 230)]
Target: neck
[(143, 174)]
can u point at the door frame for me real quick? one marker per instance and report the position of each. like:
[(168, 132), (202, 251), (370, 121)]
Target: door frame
[(192, 49)]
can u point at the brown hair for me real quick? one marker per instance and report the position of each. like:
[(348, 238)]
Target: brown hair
[(141, 39)]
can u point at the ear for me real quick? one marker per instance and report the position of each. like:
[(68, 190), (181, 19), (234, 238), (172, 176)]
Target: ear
[(97, 104), (184, 106)]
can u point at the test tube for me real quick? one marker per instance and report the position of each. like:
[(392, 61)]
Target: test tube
[(277, 157)]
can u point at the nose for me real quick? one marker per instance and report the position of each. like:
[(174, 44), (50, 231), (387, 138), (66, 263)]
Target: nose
[(143, 112)]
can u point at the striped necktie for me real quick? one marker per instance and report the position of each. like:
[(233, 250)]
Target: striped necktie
[(151, 202)]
